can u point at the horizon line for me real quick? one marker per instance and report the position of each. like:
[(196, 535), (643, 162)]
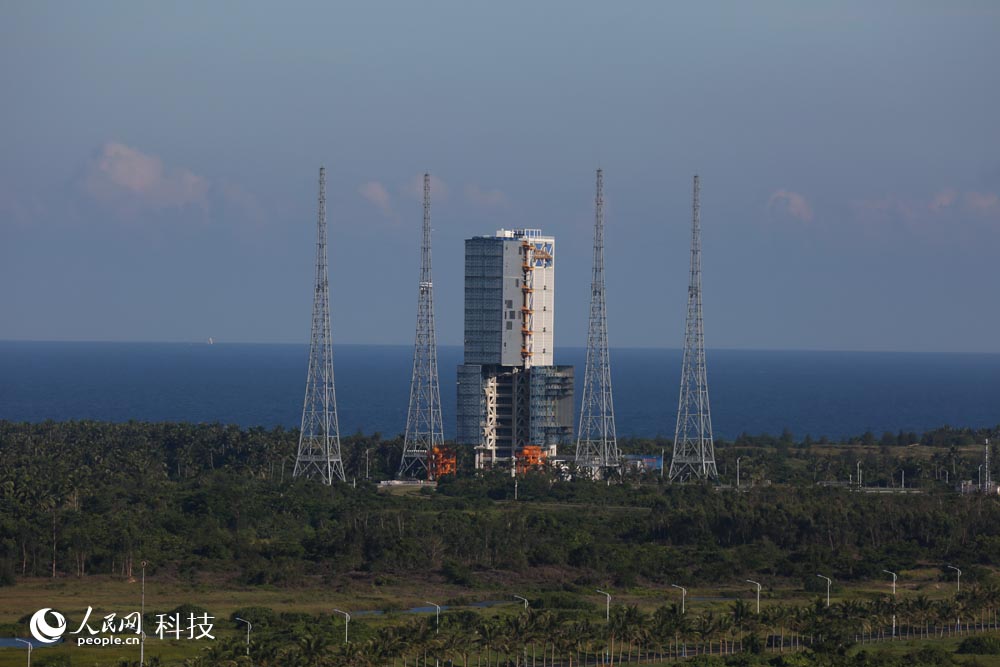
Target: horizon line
[(452, 345)]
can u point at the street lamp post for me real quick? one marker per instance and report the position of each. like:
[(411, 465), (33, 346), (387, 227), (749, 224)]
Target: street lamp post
[(366, 462), (437, 616), (347, 622), (859, 473), (757, 584), (684, 593), (893, 597), (28, 644), (607, 605), (249, 625), (524, 600), (738, 458), (958, 588), (828, 582), (142, 617), (893, 581)]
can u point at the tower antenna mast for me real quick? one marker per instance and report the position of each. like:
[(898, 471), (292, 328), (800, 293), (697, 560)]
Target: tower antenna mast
[(597, 444), (424, 431), (694, 448), (319, 437)]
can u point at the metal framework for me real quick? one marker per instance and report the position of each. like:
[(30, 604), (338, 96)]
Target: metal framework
[(597, 444), (424, 429), (319, 438), (694, 449)]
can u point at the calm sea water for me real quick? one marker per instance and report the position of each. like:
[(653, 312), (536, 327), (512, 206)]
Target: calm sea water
[(820, 393)]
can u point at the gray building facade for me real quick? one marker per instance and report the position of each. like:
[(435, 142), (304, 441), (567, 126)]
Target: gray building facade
[(510, 395)]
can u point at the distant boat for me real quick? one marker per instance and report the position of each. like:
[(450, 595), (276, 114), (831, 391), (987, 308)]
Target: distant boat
[(211, 341)]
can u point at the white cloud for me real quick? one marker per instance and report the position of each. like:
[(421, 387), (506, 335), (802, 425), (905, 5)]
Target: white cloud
[(943, 199), (377, 194), (129, 180), (982, 203), (946, 206), (790, 204), (481, 197)]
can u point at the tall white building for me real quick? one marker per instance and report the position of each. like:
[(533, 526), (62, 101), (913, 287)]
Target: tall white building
[(509, 393)]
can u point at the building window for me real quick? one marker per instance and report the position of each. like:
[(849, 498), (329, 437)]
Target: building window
[(510, 303), (510, 325), (517, 282)]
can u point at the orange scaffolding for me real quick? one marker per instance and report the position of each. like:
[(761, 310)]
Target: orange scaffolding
[(440, 461), (530, 456)]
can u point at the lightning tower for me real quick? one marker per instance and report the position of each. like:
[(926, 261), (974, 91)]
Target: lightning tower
[(596, 444), (424, 432), (319, 439), (694, 450)]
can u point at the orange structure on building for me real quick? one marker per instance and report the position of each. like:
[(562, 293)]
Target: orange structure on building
[(531, 456), (441, 461)]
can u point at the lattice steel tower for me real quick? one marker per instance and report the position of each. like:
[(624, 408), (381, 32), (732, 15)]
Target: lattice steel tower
[(319, 439), (694, 450), (596, 444), (424, 431)]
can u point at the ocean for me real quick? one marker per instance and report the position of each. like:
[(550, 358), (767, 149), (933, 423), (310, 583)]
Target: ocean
[(818, 393)]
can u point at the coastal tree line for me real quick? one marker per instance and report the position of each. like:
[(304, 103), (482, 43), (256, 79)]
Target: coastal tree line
[(78, 498)]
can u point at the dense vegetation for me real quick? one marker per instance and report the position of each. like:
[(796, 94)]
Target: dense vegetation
[(85, 497)]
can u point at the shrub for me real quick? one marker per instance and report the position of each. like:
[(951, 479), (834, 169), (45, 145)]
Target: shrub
[(980, 646)]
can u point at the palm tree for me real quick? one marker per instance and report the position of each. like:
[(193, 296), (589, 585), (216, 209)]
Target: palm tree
[(488, 633), (313, 647), (669, 621), (724, 627), (705, 628)]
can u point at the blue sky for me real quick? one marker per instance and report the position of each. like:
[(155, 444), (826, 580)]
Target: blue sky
[(158, 166)]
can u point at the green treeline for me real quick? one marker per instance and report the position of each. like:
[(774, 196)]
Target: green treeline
[(79, 498)]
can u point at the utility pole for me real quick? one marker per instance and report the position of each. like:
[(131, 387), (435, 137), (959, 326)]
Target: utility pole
[(607, 605), (424, 431), (893, 581), (142, 616), (694, 448), (683, 596), (757, 584), (829, 581), (437, 617), (958, 587), (894, 598), (28, 644), (986, 464), (249, 626), (347, 622), (597, 443), (319, 437)]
